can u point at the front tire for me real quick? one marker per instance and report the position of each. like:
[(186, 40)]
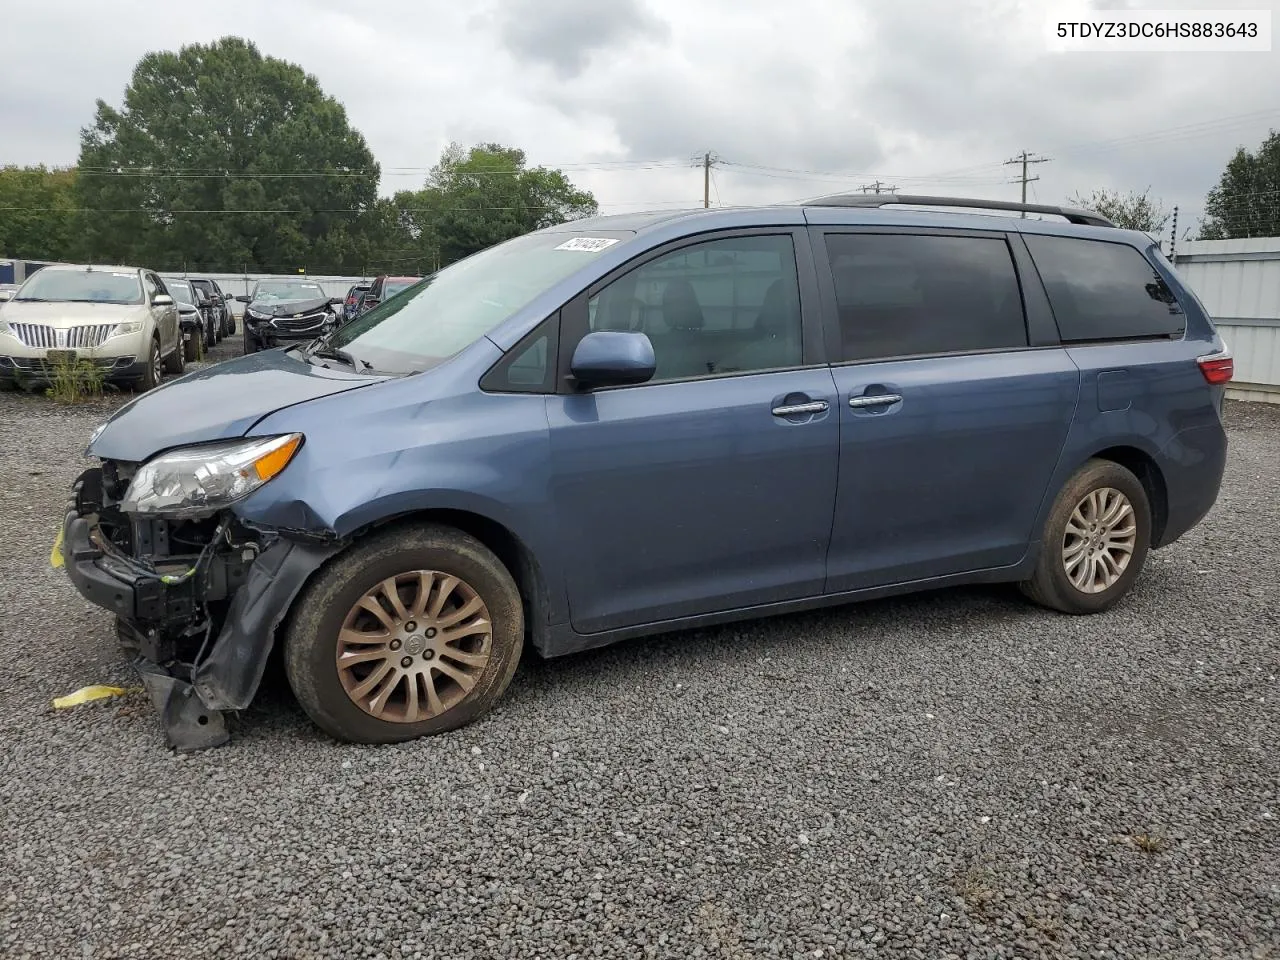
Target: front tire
[(153, 371), (1095, 541), (250, 343), (411, 633)]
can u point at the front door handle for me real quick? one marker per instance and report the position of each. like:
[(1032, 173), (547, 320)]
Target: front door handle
[(874, 400), (796, 409)]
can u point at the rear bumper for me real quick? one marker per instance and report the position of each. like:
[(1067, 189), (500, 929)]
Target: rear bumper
[(1193, 464)]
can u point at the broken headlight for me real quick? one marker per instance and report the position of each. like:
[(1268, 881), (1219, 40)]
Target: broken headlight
[(193, 481)]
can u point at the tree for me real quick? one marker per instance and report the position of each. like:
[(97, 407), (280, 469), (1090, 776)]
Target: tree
[(476, 198), (1131, 211), (221, 158), (37, 213), (1246, 201)]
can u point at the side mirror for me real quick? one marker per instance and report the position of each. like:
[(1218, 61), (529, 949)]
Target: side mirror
[(242, 298), (6, 295), (612, 358), (334, 301), (162, 300)]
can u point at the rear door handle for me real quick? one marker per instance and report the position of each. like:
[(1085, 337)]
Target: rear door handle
[(795, 409), (875, 400)]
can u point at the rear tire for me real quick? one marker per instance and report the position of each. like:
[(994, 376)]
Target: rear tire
[(441, 565), (1095, 541)]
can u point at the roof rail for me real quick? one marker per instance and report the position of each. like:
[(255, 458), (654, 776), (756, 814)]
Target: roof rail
[(1072, 214)]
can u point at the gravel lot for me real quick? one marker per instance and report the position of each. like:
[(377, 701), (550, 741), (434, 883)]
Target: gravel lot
[(953, 775)]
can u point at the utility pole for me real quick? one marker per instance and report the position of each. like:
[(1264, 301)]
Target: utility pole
[(877, 187), (706, 179), (1024, 158)]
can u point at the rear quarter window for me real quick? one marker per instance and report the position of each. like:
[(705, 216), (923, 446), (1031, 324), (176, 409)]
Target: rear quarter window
[(1104, 291)]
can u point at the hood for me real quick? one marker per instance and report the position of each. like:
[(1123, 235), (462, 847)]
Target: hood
[(63, 315), (290, 308), (218, 403)]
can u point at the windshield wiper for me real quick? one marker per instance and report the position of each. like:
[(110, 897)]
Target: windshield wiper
[(326, 352), (31, 299)]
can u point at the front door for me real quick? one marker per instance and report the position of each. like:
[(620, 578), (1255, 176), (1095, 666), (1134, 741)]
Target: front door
[(711, 487), (952, 422)]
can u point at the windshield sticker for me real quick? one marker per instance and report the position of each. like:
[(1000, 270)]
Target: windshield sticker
[(587, 244)]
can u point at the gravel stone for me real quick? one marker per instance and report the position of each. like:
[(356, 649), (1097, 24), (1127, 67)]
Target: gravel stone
[(974, 777)]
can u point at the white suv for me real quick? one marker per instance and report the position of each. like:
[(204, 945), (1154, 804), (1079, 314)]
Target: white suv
[(122, 319)]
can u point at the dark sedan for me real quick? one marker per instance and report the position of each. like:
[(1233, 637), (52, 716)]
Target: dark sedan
[(287, 311)]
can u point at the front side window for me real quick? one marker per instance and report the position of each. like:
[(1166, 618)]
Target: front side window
[(82, 286), (1104, 291), (902, 295), (724, 306)]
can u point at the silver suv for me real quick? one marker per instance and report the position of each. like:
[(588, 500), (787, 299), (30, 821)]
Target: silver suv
[(122, 319)]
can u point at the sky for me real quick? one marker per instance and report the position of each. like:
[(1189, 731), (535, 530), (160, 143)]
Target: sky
[(792, 99)]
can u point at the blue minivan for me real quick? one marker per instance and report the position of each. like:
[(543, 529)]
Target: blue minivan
[(635, 424)]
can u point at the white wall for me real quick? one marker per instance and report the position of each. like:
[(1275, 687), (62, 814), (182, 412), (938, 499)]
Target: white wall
[(1239, 283)]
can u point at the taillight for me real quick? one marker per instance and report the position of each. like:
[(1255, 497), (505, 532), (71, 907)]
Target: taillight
[(1218, 368)]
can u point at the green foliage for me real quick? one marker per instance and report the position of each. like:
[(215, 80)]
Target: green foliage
[(74, 381), (217, 128), (1246, 201), (1131, 211), (476, 198), (37, 213)]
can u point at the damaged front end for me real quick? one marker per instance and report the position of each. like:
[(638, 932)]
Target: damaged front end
[(197, 592)]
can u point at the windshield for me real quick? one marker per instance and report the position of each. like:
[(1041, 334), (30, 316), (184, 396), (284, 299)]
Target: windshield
[(82, 286), (392, 287), (180, 290), (454, 308), (275, 291)]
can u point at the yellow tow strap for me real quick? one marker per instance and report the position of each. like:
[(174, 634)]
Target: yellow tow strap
[(96, 691), (55, 555)]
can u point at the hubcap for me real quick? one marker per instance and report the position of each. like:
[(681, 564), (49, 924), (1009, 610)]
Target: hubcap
[(414, 646), (1099, 542)]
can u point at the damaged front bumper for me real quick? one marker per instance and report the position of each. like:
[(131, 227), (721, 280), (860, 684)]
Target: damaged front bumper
[(200, 601)]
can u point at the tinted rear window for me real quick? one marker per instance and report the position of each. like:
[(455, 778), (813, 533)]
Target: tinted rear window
[(902, 295), (1104, 291)]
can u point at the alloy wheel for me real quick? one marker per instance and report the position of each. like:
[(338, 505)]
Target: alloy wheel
[(1100, 538), (414, 646)]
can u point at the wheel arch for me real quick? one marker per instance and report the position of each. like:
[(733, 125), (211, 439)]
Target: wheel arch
[(1145, 467), (507, 546)]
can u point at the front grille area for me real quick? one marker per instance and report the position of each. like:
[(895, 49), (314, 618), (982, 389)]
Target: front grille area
[(304, 324), (88, 337), (34, 334), (41, 336)]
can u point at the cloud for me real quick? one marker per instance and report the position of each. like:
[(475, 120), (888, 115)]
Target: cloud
[(564, 34), (795, 99)]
